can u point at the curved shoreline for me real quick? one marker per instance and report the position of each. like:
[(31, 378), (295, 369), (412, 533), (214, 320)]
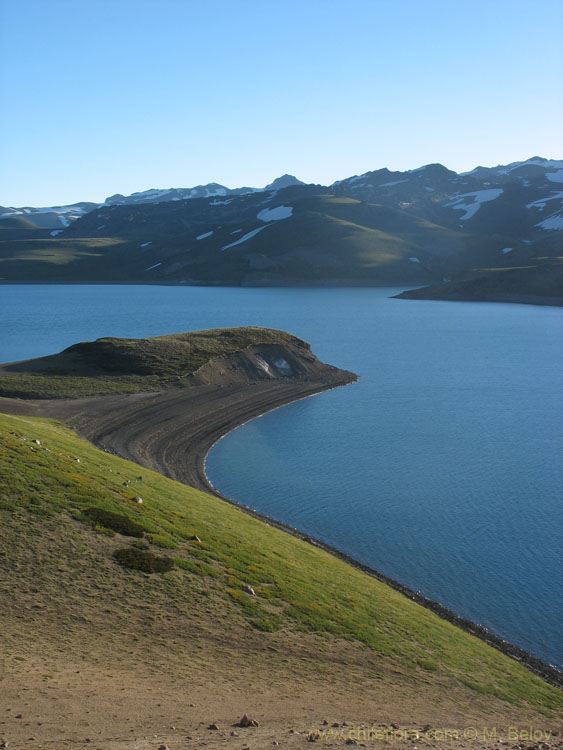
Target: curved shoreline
[(173, 431), (547, 672)]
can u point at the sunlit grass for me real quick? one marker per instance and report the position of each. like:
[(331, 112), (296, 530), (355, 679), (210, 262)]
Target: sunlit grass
[(297, 586)]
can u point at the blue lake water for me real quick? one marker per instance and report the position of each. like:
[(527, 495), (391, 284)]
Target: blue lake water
[(441, 467)]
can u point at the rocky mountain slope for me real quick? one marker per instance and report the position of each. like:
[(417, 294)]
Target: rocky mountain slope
[(418, 227)]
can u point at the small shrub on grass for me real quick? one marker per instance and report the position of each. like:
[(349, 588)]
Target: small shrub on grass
[(144, 561), (114, 521), (160, 540), (198, 567), (103, 530), (267, 623), (141, 544), (259, 618)]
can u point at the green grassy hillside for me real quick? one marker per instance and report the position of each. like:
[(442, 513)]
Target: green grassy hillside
[(57, 259), (69, 522), (113, 365), (537, 283)]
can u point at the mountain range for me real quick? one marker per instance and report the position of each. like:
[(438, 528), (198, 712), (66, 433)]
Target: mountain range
[(426, 226)]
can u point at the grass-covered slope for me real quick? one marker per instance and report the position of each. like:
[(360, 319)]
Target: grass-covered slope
[(327, 239), (74, 543), (119, 365), (57, 259), (537, 283)]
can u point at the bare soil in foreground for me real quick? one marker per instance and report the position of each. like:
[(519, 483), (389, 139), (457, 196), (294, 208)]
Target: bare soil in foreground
[(182, 673)]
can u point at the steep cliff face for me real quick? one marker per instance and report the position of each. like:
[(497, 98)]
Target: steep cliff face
[(269, 362)]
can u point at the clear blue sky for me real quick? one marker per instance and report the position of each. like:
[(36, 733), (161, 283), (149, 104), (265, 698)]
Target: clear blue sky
[(106, 96)]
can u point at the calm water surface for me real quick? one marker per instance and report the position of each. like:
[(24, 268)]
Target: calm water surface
[(441, 467)]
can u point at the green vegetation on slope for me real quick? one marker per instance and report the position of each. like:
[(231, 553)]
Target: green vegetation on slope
[(541, 282), (298, 587), (328, 238), (113, 365), (57, 259)]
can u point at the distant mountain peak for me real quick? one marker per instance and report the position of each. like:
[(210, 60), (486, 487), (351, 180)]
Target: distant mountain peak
[(284, 181), (433, 169)]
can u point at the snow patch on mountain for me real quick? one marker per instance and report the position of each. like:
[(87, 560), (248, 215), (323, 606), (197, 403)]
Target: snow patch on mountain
[(156, 265), (389, 184), (56, 209), (540, 203), (555, 176), (553, 222), (275, 214), (537, 162), (146, 244), (150, 195), (245, 237), (479, 197), (204, 235), (506, 250), (55, 232)]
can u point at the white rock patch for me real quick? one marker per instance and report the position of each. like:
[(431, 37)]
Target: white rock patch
[(263, 365), (283, 365)]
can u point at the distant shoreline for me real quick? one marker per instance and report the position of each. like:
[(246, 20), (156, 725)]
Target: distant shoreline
[(418, 295), (347, 284)]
